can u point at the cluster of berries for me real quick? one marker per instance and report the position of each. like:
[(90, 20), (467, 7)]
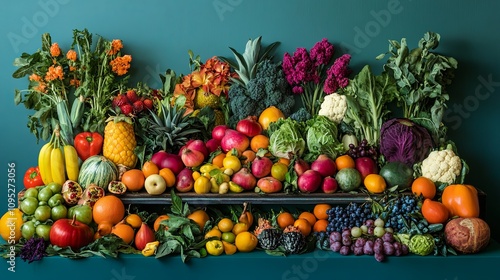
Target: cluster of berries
[(130, 103)]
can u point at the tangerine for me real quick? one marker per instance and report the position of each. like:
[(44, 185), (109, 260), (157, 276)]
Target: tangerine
[(285, 219), (225, 225), (375, 183), (158, 221), (168, 175), (239, 228), (435, 212), (134, 220), (284, 160), (303, 225), (344, 161), (200, 217), (247, 156), (423, 186), (10, 225), (320, 225), (259, 141), (269, 115), (308, 216), (108, 208), (218, 160), (246, 241), (320, 211), (133, 179), (149, 168), (124, 231)]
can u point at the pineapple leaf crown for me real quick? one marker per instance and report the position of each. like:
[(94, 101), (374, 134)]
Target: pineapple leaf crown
[(247, 63)]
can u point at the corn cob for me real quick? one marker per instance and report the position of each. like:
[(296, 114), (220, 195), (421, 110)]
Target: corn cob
[(44, 163), (71, 161)]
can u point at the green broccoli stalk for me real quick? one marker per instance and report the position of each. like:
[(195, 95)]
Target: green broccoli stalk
[(268, 88)]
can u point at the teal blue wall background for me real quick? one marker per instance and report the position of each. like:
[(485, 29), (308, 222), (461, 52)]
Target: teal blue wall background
[(158, 35)]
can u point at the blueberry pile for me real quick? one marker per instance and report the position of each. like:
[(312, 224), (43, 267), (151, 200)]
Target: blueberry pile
[(340, 218)]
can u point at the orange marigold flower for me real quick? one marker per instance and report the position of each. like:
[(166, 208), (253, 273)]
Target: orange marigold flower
[(71, 55), (72, 68), (121, 64), (42, 87), (54, 72), (116, 46), (34, 77), (55, 51), (74, 82)]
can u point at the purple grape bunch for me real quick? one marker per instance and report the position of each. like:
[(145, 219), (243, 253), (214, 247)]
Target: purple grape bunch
[(363, 149)]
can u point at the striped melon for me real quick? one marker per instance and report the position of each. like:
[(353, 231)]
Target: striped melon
[(97, 170)]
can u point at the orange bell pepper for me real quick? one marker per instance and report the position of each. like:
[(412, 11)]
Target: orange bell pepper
[(461, 200)]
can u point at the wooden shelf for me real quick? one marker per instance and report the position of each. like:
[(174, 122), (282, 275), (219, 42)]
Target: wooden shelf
[(238, 198)]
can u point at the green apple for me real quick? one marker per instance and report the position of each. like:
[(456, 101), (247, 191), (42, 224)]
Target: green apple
[(59, 212), (83, 213)]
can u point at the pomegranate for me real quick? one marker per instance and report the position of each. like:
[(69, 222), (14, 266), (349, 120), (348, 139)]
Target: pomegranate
[(249, 126), (309, 181), (245, 179), (184, 180), (329, 185), (324, 165), (91, 194), (71, 191), (212, 145), (219, 131), (234, 139), (261, 166), (300, 166), (143, 236), (172, 161), (192, 158)]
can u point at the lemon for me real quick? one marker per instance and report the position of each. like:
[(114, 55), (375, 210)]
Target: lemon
[(202, 185), (233, 187)]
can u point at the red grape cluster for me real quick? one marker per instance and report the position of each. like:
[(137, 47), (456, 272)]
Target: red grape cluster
[(130, 103), (363, 150)]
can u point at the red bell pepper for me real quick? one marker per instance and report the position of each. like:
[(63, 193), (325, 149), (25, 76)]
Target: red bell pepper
[(88, 144), (32, 178)]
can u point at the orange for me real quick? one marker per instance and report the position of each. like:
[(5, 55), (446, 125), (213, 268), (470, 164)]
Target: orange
[(320, 225), (423, 186), (124, 231), (303, 225), (239, 228), (344, 161), (225, 225), (246, 241), (158, 220), (269, 115), (134, 220), (259, 142), (133, 179), (168, 175), (10, 225), (200, 217), (284, 160), (285, 219), (104, 228), (309, 217), (247, 156), (320, 211), (108, 209), (434, 211), (218, 159), (149, 168), (375, 183)]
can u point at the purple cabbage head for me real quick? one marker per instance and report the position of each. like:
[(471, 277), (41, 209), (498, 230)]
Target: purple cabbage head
[(405, 141)]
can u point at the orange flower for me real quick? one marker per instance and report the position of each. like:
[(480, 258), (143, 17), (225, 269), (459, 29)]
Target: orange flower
[(54, 72), (74, 82), (42, 87), (71, 55), (116, 46), (34, 77), (55, 51), (121, 64)]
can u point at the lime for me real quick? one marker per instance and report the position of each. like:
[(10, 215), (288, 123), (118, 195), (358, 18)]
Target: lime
[(228, 237)]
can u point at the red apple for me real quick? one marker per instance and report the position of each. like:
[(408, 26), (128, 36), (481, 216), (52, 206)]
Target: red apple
[(309, 181), (329, 185), (269, 185), (301, 166), (324, 165), (366, 166)]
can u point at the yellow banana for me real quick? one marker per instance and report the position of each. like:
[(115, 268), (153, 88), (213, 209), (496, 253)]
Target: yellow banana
[(71, 162), (44, 163), (57, 166)]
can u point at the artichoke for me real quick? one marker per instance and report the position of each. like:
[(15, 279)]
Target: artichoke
[(422, 244)]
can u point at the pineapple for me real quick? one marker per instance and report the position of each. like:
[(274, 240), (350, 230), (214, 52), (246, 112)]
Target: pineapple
[(203, 99), (119, 141)]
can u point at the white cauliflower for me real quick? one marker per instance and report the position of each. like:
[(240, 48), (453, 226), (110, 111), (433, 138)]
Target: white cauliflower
[(334, 107), (442, 166)]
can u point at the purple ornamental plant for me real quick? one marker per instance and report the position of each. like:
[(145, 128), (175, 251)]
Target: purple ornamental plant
[(310, 74)]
